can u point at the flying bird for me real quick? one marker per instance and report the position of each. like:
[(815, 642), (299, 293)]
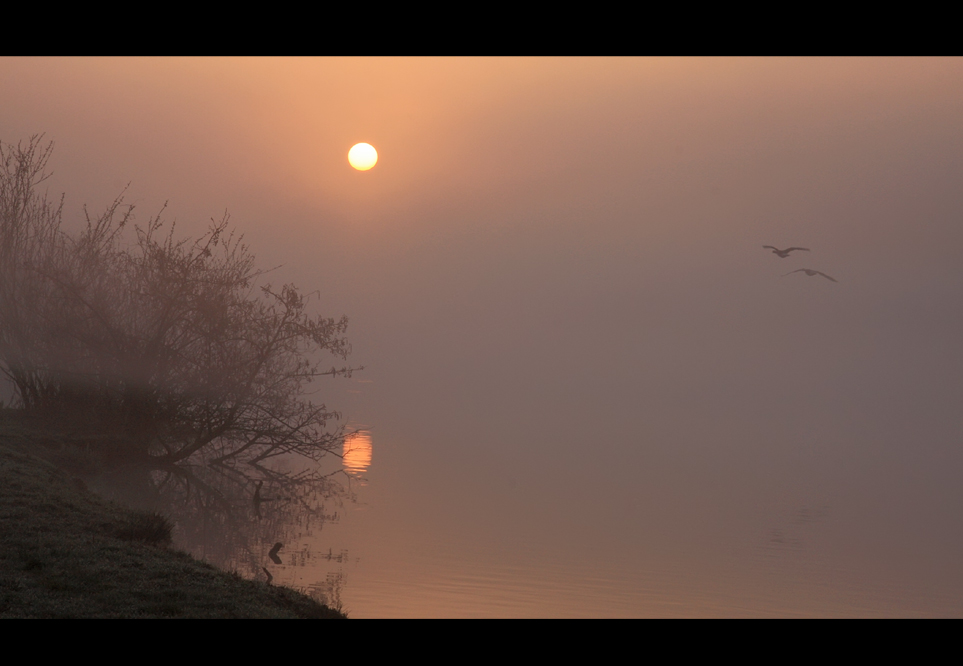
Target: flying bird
[(810, 272), (784, 253)]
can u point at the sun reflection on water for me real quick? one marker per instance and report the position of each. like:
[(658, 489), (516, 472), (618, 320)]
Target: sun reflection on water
[(356, 454)]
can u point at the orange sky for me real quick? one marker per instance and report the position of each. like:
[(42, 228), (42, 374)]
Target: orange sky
[(447, 128)]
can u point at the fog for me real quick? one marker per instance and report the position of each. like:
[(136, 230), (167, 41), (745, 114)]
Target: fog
[(586, 381)]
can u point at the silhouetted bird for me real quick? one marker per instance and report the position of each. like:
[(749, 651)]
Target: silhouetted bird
[(810, 272), (784, 253), (274, 553)]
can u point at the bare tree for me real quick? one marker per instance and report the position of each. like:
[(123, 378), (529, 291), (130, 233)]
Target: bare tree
[(169, 345), (29, 236)]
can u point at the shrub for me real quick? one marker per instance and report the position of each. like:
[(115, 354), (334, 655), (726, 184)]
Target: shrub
[(167, 345)]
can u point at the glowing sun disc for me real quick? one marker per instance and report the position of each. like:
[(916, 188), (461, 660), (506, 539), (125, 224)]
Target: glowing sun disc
[(362, 156)]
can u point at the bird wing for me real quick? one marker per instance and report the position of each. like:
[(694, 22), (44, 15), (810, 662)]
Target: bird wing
[(795, 271), (770, 247), (826, 276), (790, 249)]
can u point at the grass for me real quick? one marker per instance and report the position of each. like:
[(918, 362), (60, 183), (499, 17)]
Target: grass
[(67, 553)]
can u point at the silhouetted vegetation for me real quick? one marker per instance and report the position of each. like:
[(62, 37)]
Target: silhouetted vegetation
[(164, 349), (165, 365), (146, 526)]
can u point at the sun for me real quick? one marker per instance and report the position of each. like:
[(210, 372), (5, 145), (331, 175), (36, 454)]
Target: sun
[(362, 156)]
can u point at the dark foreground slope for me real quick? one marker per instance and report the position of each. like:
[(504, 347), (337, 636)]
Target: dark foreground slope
[(67, 553)]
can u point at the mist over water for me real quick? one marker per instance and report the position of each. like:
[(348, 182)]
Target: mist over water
[(588, 389)]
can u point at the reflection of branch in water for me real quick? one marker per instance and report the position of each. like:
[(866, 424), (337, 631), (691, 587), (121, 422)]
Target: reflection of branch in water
[(258, 499), (218, 519), (340, 557), (328, 592), (231, 514)]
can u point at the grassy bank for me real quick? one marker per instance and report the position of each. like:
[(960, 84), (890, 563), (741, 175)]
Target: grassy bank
[(67, 553)]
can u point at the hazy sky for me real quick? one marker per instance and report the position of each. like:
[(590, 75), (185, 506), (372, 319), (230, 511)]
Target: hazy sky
[(561, 260)]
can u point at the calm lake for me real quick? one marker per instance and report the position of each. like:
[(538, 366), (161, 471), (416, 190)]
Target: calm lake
[(644, 518)]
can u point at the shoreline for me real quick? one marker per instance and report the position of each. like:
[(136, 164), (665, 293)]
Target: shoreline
[(65, 552)]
